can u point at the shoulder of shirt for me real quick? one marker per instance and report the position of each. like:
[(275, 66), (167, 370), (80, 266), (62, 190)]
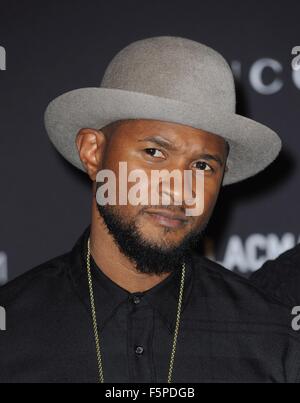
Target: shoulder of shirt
[(281, 276), (291, 257), (213, 268), (52, 269), (228, 277)]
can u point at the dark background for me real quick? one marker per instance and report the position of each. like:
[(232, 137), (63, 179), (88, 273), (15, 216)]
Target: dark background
[(56, 46)]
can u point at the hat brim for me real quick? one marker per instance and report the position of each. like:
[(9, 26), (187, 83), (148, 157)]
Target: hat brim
[(253, 146)]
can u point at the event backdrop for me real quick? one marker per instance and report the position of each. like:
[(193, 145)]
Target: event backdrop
[(50, 47)]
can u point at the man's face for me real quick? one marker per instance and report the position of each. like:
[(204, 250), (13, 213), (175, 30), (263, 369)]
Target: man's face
[(155, 145)]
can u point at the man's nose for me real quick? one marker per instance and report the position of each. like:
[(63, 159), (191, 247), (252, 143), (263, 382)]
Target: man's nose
[(178, 189), (171, 191)]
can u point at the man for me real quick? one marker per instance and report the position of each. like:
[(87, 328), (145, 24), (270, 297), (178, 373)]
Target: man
[(281, 277), (131, 302)]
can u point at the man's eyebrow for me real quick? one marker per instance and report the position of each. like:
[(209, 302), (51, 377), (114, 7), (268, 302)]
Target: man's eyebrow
[(160, 141), (168, 145)]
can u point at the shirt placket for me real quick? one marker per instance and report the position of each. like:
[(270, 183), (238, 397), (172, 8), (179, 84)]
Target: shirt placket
[(140, 339)]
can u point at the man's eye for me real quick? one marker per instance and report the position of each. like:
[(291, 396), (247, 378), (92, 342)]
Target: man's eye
[(154, 152), (203, 166)]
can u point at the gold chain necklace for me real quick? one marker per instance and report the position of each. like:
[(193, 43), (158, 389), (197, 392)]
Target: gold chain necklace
[(95, 326)]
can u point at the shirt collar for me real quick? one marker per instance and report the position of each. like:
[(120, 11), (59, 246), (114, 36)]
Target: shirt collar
[(163, 297)]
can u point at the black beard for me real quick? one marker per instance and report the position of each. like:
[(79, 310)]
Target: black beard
[(147, 257)]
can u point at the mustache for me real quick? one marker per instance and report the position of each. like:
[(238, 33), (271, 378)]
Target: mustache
[(176, 211), (171, 208)]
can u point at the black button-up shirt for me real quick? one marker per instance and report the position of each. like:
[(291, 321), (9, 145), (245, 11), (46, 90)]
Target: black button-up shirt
[(229, 332)]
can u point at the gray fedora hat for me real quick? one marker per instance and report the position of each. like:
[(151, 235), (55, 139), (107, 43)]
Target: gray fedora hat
[(170, 79)]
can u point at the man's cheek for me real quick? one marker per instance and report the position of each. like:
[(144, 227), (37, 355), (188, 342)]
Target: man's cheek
[(210, 198)]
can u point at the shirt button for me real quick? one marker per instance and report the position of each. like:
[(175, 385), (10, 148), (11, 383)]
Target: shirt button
[(136, 300), (139, 350)]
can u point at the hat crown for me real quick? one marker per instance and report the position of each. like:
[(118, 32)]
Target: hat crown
[(175, 68)]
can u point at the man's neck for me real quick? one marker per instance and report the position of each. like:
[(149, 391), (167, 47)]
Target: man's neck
[(113, 263)]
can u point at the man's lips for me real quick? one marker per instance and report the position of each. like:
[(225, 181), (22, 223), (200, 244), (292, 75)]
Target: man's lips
[(167, 218)]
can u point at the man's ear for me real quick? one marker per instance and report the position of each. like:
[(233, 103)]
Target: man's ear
[(91, 144)]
